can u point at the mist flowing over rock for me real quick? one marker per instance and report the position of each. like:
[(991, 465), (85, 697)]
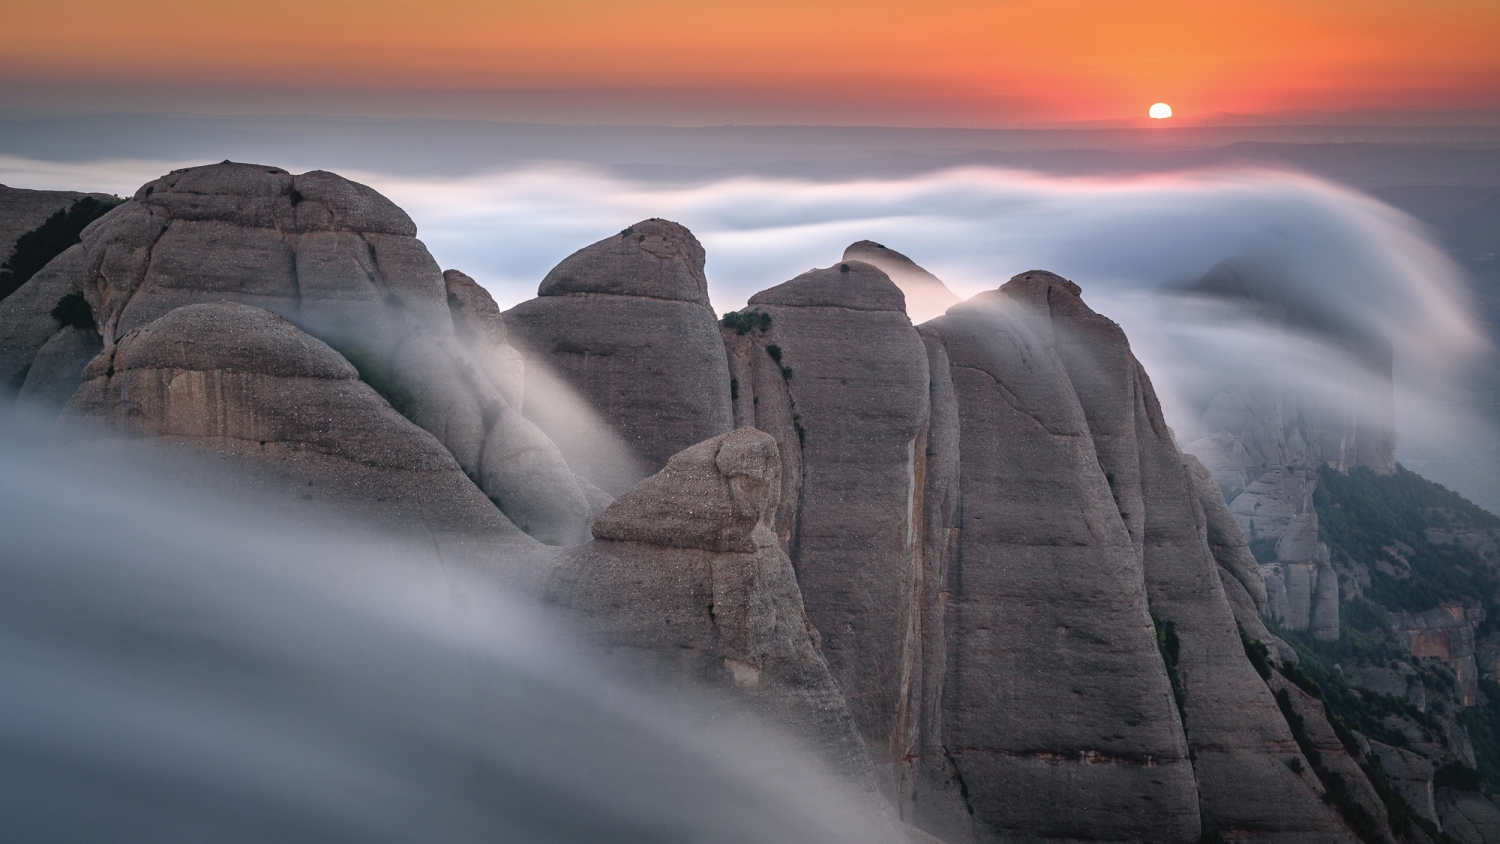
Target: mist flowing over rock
[(926, 294), (342, 262), (627, 324), (965, 562)]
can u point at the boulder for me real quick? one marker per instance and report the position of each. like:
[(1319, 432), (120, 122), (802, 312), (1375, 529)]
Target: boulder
[(625, 325)]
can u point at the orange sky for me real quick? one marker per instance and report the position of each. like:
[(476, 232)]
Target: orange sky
[(962, 62)]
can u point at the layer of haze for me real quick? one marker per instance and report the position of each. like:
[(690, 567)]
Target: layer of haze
[(880, 62), (1130, 242), (183, 667)]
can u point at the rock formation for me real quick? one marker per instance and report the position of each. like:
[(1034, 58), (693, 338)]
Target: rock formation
[(1040, 544), (266, 400), (926, 294), (1237, 736), (966, 562), (627, 324), (338, 260), (711, 593)]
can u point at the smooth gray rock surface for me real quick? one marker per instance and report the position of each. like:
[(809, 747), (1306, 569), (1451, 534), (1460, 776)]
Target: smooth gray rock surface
[(1057, 712), (57, 371), (625, 325), (857, 378), (1468, 816), (655, 258), (710, 595), (1237, 734)]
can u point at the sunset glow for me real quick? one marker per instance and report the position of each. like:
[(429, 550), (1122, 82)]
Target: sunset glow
[(956, 62), (1160, 111)]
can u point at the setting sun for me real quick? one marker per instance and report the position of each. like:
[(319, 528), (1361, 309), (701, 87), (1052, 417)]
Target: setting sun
[(1160, 111)]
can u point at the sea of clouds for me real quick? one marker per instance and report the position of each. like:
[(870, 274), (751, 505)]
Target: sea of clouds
[(1132, 243)]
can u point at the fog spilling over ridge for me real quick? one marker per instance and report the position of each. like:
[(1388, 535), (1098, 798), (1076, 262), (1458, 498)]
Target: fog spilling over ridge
[(1135, 244)]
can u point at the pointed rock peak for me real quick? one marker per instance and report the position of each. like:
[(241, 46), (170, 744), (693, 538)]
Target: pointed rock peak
[(852, 284), (926, 295), (654, 259), (712, 496)]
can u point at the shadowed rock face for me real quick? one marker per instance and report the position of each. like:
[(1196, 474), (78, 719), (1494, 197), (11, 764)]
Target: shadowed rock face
[(1054, 683), (343, 263), (283, 409), (626, 323), (1238, 736)]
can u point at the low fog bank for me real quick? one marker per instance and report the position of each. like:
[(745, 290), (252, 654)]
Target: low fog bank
[(183, 668), (1136, 244)]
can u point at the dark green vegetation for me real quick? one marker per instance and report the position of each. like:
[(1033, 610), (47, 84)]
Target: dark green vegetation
[(377, 374), (1482, 722), (1363, 517), (74, 310), (1171, 649), (35, 248), (1366, 711), (1382, 523), (1402, 816), (743, 322)]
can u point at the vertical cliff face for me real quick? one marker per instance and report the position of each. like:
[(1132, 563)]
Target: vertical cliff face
[(855, 375), (1054, 682), (626, 323), (1239, 739)]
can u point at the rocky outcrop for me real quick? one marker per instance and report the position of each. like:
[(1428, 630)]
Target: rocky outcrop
[(926, 294), (626, 324), (1411, 775), (1308, 582), (1237, 735), (343, 263), (1041, 543), (281, 409), (687, 579), (1446, 633), (1468, 817), (855, 375)]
